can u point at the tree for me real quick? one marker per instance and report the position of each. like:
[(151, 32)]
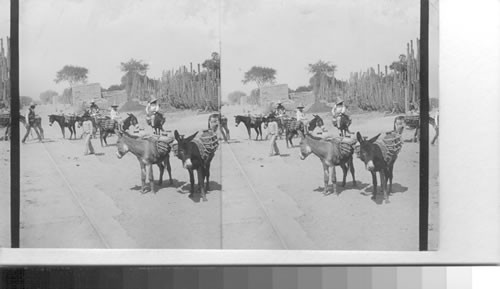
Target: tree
[(254, 97), (235, 96), (132, 68), (212, 64), (304, 88), (72, 74), (260, 75), (399, 66), (25, 100), (323, 74), (116, 87), (47, 96)]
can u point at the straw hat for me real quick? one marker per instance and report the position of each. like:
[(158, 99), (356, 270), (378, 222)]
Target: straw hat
[(114, 105), (340, 101), (153, 100), (32, 104), (300, 106)]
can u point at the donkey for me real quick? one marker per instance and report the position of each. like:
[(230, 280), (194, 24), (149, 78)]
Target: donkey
[(157, 123), (331, 155), (193, 159), (247, 120), (345, 122), (218, 121), (147, 154), (317, 121), (109, 126), (292, 128), (64, 121), (371, 154), (5, 122)]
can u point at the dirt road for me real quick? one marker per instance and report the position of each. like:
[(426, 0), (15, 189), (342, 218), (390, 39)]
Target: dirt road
[(4, 193), (277, 202), (75, 201)]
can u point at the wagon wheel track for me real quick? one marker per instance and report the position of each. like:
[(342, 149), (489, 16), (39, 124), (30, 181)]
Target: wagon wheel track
[(76, 198), (255, 193)]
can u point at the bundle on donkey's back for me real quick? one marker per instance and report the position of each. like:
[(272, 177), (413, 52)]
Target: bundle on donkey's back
[(149, 150), (332, 152)]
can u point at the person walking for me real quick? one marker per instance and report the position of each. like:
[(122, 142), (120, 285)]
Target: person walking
[(87, 136), (272, 130), (30, 117)]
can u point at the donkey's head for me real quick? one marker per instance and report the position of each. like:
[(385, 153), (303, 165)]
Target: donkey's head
[(121, 146), (305, 148), (238, 119), (185, 151), (131, 120), (317, 121), (367, 150), (52, 118)]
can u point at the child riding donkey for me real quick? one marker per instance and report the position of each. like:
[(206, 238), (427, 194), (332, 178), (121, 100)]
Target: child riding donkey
[(340, 118)]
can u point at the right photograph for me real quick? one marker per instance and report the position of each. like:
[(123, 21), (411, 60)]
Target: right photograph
[(323, 103)]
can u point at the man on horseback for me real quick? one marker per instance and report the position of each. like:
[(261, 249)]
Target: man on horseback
[(280, 110), (30, 117), (115, 115), (338, 111), (151, 109)]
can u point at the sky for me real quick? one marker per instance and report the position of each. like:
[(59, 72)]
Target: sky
[(99, 35), (289, 35), (4, 19)]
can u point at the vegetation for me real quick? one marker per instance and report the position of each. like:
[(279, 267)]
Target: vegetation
[(260, 75), (72, 74)]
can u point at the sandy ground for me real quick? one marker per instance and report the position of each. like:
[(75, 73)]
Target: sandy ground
[(4, 192), (277, 202), (75, 201)]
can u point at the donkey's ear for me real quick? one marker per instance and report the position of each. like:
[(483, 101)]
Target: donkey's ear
[(176, 135), (359, 137), (373, 139), (191, 137)]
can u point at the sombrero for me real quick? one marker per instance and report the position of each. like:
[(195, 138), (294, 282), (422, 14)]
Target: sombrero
[(339, 101), (153, 100), (301, 106), (114, 105), (32, 104)]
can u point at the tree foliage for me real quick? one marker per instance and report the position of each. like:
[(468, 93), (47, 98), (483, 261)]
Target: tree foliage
[(235, 97), (25, 100), (47, 96), (260, 75), (212, 64), (399, 66), (322, 71), (72, 74), (304, 88), (132, 68), (115, 87), (254, 97)]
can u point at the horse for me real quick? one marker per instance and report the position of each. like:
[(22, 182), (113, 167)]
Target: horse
[(109, 126), (158, 122), (371, 154), (147, 154), (192, 159), (345, 122), (64, 121), (255, 123), (218, 121), (5, 122), (331, 155)]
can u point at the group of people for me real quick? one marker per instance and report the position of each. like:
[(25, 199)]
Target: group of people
[(339, 110)]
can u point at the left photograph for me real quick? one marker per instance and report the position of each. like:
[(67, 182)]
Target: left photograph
[(120, 142), (5, 121)]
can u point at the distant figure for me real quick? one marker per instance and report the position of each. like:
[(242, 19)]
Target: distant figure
[(30, 117), (151, 109), (300, 115), (339, 110), (280, 110), (115, 115), (272, 130), (413, 108), (87, 136), (94, 109)]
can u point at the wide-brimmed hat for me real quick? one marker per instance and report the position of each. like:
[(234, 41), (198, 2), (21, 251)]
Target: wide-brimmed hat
[(114, 105), (339, 101), (32, 104), (300, 106), (153, 100)]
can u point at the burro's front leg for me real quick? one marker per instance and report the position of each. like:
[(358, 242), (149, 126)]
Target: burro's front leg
[(151, 178), (333, 177), (326, 177), (201, 179), (383, 185), (143, 176), (191, 180)]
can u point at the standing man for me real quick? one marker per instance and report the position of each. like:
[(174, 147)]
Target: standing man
[(30, 118), (338, 111), (151, 109), (272, 130), (87, 136)]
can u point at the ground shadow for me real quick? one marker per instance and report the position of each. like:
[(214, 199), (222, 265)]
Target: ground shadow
[(284, 155), (196, 197), (396, 188), (233, 141), (348, 186), (165, 184), (99, 154)]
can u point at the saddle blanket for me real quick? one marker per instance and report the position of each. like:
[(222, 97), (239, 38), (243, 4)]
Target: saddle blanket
[(390, 146), (163, 144), (346, 145)]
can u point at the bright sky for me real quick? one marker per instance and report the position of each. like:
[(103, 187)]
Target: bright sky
[(4, 19), (289, 35), (99, 35)]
